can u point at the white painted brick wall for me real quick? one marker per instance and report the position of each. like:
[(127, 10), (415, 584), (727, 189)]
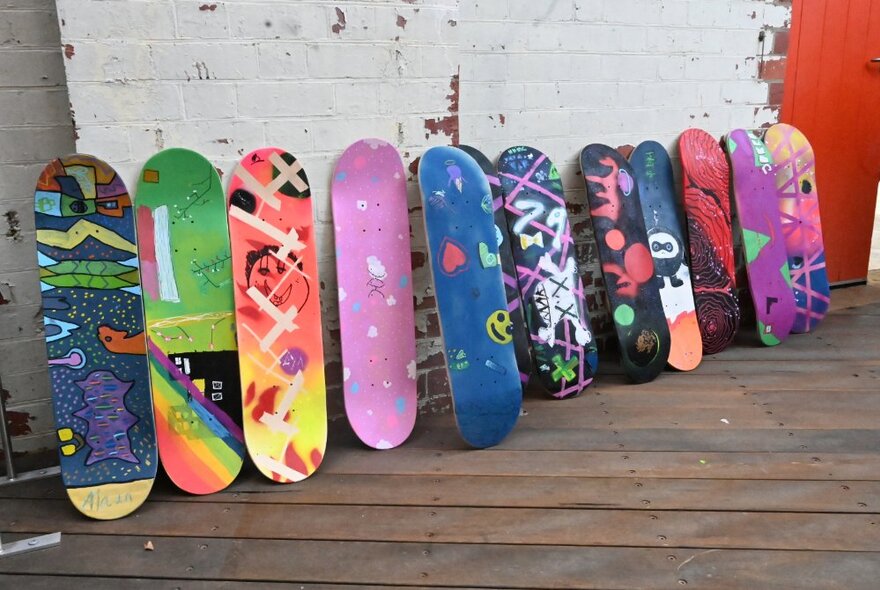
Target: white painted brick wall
[(224, 78), (311, 76), (612, 71), (34, 127)]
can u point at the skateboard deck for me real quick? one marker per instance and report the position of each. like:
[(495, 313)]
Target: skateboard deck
[(627, 266), (91, 293), (277, 315), (508, 267), (187, 283), (706, 181), (374, 273), (653, 171), (468, 286), (754, 188), (801, 226), (547, 272)]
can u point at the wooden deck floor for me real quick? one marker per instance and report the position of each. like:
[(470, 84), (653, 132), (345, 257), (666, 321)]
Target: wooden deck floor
[(759, 470)]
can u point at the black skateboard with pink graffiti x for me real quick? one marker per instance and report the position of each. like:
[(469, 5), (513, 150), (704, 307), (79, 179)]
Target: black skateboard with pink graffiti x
[(543, 249)]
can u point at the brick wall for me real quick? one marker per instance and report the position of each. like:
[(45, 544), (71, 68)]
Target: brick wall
[(312, 76), (562, 74), (34, 128), (224, 78)]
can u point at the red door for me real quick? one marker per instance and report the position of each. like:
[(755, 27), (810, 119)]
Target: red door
[(832, 94)]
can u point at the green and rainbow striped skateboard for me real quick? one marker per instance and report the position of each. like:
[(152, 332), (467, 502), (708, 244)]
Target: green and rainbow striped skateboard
[(187, 281)]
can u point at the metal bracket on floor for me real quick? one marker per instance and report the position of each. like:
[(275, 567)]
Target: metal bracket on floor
[(32, 544)]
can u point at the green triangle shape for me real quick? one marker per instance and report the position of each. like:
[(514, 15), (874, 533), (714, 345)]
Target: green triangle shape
[(731, 145), (754, 242), (786, 274)]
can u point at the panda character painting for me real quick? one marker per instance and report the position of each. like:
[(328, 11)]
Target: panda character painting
[(668, 256)]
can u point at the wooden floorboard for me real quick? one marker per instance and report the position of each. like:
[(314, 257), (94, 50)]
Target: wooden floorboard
[(761, 469)]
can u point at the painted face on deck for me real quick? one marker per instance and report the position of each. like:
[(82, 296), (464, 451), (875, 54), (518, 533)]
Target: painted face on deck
[(279, 281)]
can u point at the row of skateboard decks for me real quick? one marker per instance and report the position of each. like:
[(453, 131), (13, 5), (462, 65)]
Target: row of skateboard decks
[(185, 325)]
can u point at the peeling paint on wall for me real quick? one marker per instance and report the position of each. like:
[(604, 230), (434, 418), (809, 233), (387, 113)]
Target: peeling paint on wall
[(339, 26), (13, 226), (448, 125), (5, 293)]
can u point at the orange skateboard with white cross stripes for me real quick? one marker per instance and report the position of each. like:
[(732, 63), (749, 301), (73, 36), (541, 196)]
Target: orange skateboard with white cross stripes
[(277, 314)]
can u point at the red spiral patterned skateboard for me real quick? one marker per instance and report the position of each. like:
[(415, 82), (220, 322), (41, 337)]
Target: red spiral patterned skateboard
[(706, 178)]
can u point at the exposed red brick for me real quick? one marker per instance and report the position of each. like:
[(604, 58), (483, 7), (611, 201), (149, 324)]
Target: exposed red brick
[(772, 69), (433, 325), (449, 125), (210, 7), (438, 382), (333, 374), (501, 118), (19, 423), (68, 50), (433, 361), (418, 259), (414, 167), (401, 22), (626, 150), (776, 93), (780, 42), (340, 21)]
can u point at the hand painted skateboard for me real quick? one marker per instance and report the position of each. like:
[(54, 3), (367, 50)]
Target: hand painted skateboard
[(376, 315), (653, 172), (799, 207), (190, 315), (474, 321), (627, 265), (706, 180), (94, 326), (556, 315), (508, 267), (277, 315), (754, 188)]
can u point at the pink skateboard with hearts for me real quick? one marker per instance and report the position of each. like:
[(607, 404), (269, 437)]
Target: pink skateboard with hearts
[(376, 315)]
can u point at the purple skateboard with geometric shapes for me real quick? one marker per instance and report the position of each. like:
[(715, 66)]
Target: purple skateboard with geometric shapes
[(754, 188), (376, 315)]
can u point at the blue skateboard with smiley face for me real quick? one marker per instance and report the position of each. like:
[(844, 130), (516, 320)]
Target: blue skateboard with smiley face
[(468, 285)]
